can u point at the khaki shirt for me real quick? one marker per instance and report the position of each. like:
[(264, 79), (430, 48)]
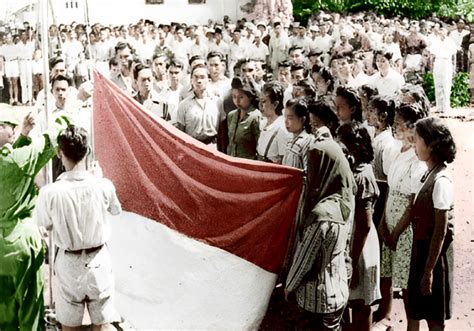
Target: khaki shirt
[(243, 134)]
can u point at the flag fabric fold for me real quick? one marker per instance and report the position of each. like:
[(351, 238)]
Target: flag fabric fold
[(172, 185)]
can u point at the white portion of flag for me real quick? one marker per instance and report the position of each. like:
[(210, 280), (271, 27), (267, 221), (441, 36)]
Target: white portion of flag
[(165, 280)]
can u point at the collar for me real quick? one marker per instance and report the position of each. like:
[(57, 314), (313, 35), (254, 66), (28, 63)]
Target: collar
[(75, 175)]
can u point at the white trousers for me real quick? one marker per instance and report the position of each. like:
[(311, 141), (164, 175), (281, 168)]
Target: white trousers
[(443, 76), (26, 80)]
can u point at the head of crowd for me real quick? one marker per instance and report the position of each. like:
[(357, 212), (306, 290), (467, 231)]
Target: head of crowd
[(343, 62)]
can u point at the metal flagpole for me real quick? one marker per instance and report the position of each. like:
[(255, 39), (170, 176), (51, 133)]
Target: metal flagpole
[(49, 167), (90, 61)]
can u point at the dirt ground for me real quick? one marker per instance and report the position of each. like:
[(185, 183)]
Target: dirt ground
[(461, 123)]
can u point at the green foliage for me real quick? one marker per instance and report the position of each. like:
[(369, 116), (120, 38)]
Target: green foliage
[(460, 95), (428, 86), (302, 9)]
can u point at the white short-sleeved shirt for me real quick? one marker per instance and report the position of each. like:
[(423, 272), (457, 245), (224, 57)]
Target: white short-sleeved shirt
[(198, 121), (405, 173), (278, 147), (388, 85), (443, 193), (75, 207)]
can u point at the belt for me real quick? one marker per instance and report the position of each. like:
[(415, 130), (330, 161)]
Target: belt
[(209, 140), (85, 250)]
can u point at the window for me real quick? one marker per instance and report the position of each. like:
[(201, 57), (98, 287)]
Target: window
[(154, 2)]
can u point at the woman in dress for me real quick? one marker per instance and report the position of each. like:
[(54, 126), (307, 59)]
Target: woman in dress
[(365, 254), (297, 124), (395, 230), (271, 144), (244, 122), (380, 117), (430, 285)]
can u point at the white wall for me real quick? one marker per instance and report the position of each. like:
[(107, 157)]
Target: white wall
[(129, 11)]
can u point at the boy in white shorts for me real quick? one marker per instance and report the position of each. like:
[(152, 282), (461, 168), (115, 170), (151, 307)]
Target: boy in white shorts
[(75, 208)]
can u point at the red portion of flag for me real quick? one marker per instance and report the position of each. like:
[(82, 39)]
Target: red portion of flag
[(244, 207)]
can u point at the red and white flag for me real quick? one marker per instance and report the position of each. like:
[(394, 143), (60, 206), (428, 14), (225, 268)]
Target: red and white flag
[(203, 235)]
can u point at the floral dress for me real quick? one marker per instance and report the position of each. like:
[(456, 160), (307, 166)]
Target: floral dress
[(404, 179)]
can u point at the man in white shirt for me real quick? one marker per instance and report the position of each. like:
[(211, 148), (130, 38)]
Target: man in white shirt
[(301, 40), (75, 209), (102, 52), (26, 49), (123, 53), (258, 50), (237, 50), (201, 114), (159, 65), (218, 44), (457, 36), (12, 71), (72, 48), (180, 46), (145, 95), (387, 80), (278, 46), (172, 93)]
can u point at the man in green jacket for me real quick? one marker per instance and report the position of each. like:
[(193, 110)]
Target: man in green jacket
[(21, 248)]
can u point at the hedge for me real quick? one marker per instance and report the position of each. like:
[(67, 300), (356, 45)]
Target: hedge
[(417, 9), (460, 95)]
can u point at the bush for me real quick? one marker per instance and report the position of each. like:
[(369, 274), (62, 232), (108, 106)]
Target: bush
[(428, 86), (303, 9), (460, 95)]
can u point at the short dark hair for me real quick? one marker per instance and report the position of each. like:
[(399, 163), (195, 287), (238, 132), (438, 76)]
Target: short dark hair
[(353, 100), (196, 57), (284, 64), (199, 66), (295, 48), (59, 78), (122, 45), (139, 67), (438, 138), (74, 143), (212, 54), (275, 92), (176, 64), (54, 61), (385, 54), (358, 142), (113, 62)]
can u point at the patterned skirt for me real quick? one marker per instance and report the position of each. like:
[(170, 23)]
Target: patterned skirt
[(396, 264)]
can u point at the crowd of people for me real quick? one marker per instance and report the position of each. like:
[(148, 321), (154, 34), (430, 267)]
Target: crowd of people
[(340, 99)]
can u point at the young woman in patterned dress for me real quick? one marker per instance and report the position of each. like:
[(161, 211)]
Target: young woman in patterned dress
[(395, 230)]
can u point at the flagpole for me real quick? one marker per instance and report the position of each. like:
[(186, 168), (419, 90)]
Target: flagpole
[(91, 76), (49, 166)]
